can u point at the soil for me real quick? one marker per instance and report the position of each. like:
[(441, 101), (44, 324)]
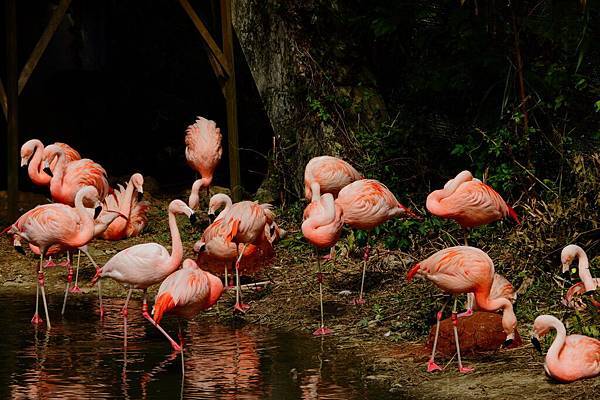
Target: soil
[(381, 332)]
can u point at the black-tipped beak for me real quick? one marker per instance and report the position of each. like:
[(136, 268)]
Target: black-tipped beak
[(19, 249), (97, 211), (48, 171), (536, 343), (201, 248), (211, 217), (507, 343), (140, 196), (193, 219)]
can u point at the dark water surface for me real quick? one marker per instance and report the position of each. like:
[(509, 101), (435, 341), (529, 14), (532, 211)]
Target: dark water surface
[(82, 357)]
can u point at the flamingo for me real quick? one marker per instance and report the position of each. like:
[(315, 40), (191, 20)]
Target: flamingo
[(569, 358), (469, 202), (326, 174), (322, 226), (69, 177), (134, 210), (464, 269), (203, 152), (55, 224), (144, 265), (501, 287), (588, 285), (31, 155), (367, 203)]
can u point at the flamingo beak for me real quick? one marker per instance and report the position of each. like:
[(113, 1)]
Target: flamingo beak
[(140, 196), (97, 211), (19, 249), (411, 214), (48, 171), (24, 161), (193, 219), (536, 343), (211, 216)]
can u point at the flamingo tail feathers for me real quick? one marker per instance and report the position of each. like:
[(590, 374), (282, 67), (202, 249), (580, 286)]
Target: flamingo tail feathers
[(164, 303), (413, 271), (513, 214)]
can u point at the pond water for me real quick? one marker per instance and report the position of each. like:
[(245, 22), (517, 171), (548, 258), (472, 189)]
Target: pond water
[(82, 357)]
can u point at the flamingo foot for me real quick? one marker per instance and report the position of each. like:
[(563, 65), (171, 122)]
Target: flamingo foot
[(241, 307), (327, 257), (65, 263), (175, 346), (322, 331), (465, 370), (432, 366), (36, 320), (75, 289), (50, 264), (467, 313), (358, 302)]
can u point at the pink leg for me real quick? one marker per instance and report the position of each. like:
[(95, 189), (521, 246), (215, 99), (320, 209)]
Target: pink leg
[(125, 313), (36, 320), (145, 314), (461, 368), (431, 365), (239, 306), (50, 263), (69, 280), (67, 262), (75, 288), (360, 299), (323, 330), (41, 286)]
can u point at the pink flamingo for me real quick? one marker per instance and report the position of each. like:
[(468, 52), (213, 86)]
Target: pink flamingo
[(131, 206), (203, 152), (588, 285), (501, 287), (32, 153), (326, 174), (144, 265), (464, 269), (322, 227), (569, 358), (55, 224), (69, 177), (367, 203), (469, 202)]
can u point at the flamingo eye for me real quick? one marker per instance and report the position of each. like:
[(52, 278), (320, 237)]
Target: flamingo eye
[(573, 270)]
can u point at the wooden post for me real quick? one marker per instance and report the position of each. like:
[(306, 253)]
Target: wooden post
[(231, 102), (12, 96)]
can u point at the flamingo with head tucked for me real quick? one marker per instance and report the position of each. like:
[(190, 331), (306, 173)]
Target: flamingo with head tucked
[(203, 152), (144, 265), (32, 156), (55, 225), (501, 287), (569, 358), (588, 284), (368, 203), (322, 226), (464, 269), (326, 174), (469, 202)]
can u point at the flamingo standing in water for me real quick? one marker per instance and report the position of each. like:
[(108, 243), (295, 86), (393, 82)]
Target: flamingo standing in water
[(134, 210), (469, 202), (588, 285), (569, 358), (32, 154), (367, 203), (55, 224), (144, 265), (322, 226), (203, 152), (326, 174), (464, 269)]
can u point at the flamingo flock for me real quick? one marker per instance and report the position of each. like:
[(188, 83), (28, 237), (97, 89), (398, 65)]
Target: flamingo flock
[(241, 239)]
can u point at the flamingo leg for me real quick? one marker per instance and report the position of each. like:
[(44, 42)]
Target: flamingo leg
[(454, 326), (431, 365), (41, 285), (125, 313), (470, 302), (226, 278), (67, 262), (360, 299), (36, 320), (145, 314), (69, 280), (75, 288), (322, 330), (181, 341), (98, 283), (239, 306), (466, 235)]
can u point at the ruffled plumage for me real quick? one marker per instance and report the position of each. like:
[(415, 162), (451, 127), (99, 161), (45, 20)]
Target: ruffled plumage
[(331, 174)]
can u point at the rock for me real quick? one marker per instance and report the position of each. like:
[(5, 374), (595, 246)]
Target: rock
[(482, 332)]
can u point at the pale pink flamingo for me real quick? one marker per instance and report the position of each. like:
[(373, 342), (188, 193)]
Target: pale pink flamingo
[(469, 202), (32, 154), (203, 152), (326, 174), (322, 226), (501, 287), (144, 265), (588, 285), (55, 224), (129, 205), (464, 269), (367, 203), (69, 177), (569, 358)]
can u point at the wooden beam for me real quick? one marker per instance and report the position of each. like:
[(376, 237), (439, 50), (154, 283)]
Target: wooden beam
[(231, 103), (42, 43), (208, 39), (12, 95), (3, 99)]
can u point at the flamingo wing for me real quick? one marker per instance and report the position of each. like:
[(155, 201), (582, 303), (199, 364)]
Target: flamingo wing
[(137, 265), (70, 153), (203, 146), (86, 172), (332, 174)]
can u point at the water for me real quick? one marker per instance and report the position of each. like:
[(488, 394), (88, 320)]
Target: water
[(82, 357)]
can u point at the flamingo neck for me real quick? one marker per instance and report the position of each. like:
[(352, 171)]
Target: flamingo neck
[(559, 340), (228, 203), (128, 197), (35, 169), (86, 230), (584, 271), (315, 188), (176, 245), (509, 318), (59, 168)]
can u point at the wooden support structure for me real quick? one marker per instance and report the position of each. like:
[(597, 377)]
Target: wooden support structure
[(223, 65), (12, 95)]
